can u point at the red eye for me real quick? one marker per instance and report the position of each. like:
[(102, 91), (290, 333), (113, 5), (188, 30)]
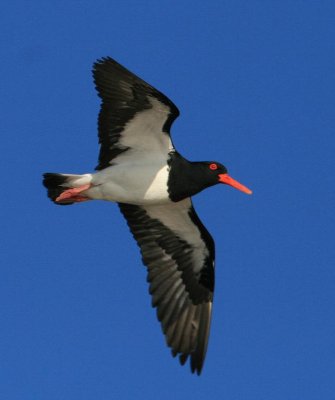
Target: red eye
[(213, 167)]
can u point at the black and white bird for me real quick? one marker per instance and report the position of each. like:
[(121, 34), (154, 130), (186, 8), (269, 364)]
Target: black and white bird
[(140, 169)]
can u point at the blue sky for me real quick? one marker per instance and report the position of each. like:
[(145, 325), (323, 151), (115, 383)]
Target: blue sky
[(254, 81)]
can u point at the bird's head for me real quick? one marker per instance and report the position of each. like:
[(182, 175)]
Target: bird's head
[(217, 173)]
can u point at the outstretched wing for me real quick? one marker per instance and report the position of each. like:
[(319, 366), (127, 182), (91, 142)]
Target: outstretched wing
[(179, 254), (133, 114)]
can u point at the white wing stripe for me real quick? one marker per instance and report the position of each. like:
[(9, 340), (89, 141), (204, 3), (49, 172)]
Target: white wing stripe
[(188, 232), (145, 131)]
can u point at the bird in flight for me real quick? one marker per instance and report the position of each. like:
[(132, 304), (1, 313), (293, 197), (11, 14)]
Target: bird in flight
[(140, 169)]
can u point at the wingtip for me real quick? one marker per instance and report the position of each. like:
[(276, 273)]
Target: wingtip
[(100, 62), (105, 60), (196, 365)]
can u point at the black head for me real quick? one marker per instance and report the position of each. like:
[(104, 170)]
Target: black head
[(189, 178), (211, 171), (217, 173)]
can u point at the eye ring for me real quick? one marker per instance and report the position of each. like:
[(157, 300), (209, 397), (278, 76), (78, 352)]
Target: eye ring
[(213, 166)]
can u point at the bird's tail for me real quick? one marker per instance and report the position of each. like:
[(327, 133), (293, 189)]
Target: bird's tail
[(66, 189)]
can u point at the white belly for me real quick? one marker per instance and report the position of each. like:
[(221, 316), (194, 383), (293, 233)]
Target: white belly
[(133, 184)]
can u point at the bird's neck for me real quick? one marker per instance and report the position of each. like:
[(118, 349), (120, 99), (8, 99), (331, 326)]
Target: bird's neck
[(185, 178)]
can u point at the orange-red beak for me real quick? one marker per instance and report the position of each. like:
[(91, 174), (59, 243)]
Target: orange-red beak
[(225, 178)]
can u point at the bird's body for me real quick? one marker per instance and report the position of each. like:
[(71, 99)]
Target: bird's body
[(135, 184), (140, 169)]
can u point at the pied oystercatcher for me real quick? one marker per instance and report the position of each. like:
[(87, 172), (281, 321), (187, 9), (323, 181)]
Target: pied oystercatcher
[(140, 169)]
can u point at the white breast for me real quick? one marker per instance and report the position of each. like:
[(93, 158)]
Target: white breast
[(132, 183)]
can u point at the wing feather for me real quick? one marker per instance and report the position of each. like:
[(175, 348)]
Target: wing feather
[(178, 257), (133, 114)]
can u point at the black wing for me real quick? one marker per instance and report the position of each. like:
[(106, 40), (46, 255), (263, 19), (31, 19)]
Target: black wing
[(133, 114), (179, 254)]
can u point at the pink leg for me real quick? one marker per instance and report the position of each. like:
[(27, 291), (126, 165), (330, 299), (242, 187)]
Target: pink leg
[(73, 194)]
